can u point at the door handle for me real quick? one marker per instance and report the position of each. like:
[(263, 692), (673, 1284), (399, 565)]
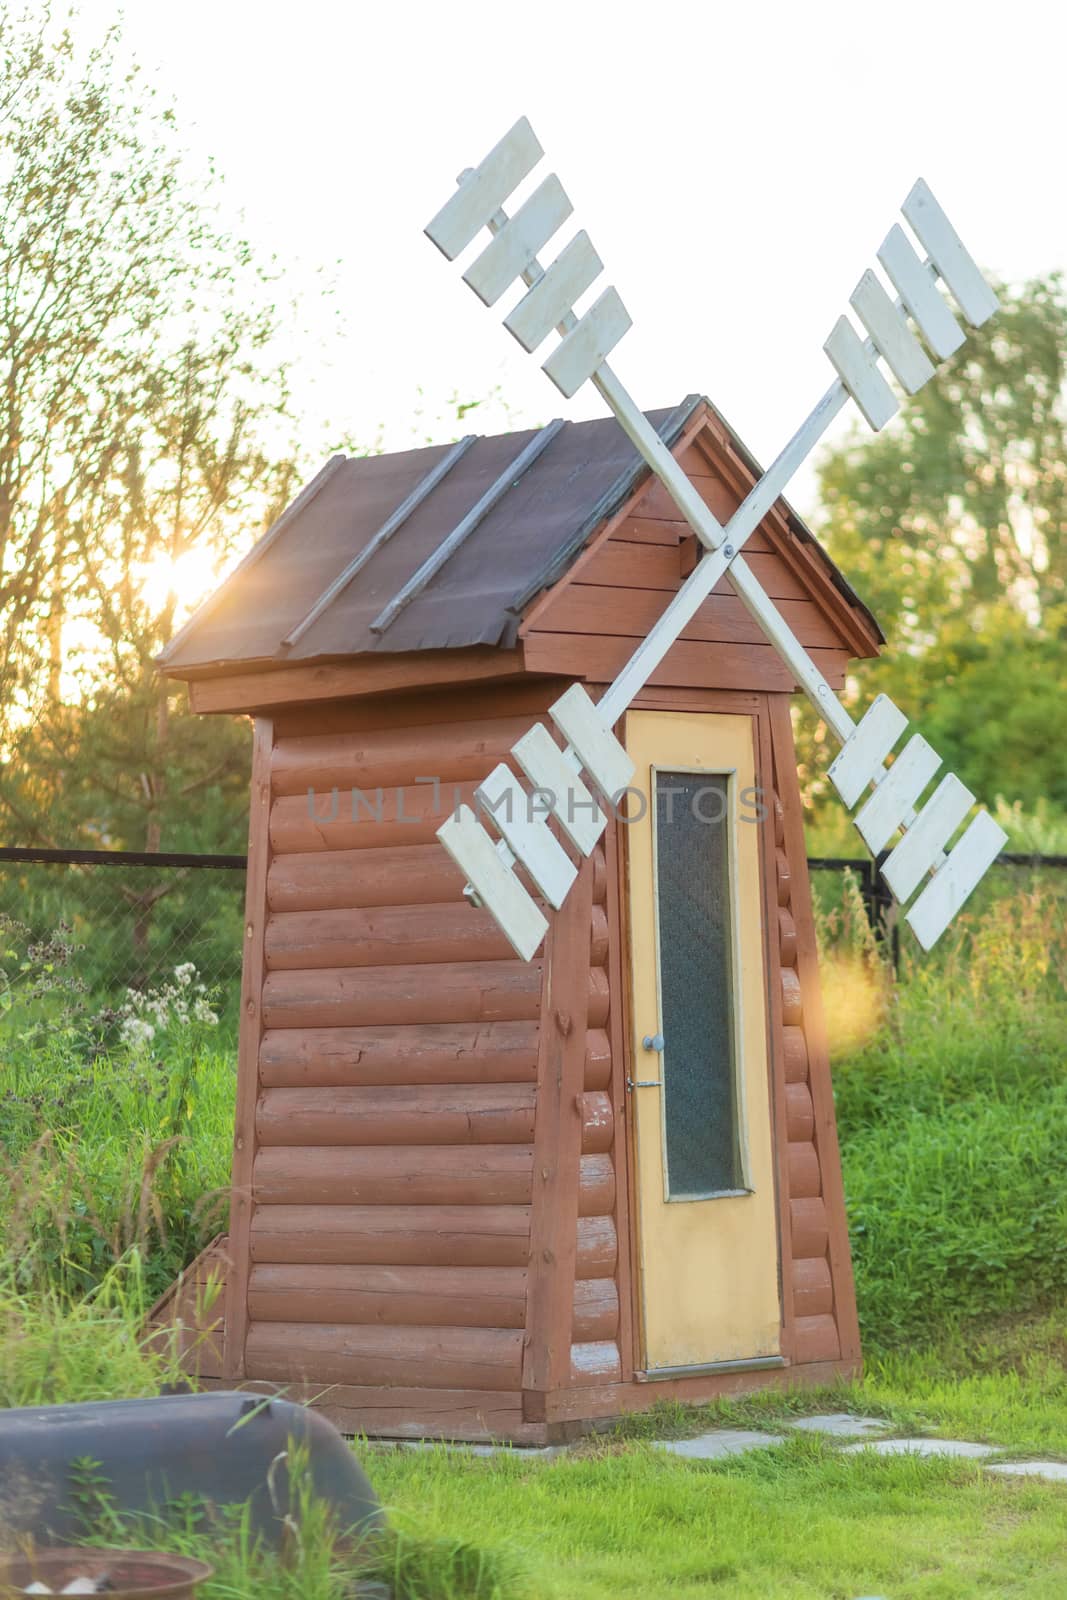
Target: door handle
[(654, 1041)]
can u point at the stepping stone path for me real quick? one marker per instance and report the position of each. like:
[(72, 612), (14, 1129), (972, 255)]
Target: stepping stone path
[(723, 1442)]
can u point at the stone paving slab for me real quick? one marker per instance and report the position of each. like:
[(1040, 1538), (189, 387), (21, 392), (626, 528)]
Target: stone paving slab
[(721, 1443), (1053, 1471), (840, 1425), (923, 1447)]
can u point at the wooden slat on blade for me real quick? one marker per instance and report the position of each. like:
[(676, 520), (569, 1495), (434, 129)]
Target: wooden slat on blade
[(516, 815), (588, 345), (888, 327), (602, 756), (920, 294), (499, 890), (872, 739), (519, 241), (951, 257), (551, 298), (574, 808), (860, 375), (927, 836), (957, 878), (485, 190), (883, 812)]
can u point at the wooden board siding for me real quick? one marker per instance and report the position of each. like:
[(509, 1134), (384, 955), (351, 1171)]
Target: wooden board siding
[(589, 624), (188, 1321), (821, 1309)]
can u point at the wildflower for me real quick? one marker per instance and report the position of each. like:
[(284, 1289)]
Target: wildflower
[(137, 1032)]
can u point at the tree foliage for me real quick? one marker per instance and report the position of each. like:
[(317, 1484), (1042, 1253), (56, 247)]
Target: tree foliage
[(952, 525), (143, 416)]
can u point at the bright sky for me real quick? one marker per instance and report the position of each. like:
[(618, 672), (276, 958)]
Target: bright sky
[(736, 166)]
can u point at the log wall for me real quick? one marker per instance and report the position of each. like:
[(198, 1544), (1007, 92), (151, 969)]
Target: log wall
[(820, 1315), (393, 1124)]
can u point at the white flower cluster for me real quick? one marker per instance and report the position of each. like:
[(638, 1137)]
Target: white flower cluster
[(183, 1001)]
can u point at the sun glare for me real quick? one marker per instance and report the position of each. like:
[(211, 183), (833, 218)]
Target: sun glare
[(190, 578)]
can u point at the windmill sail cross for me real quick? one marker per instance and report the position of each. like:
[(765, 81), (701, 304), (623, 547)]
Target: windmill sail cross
[(899, 332)]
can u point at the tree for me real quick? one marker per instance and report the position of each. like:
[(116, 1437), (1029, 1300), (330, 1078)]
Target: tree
[(143, 418), (952, 524)]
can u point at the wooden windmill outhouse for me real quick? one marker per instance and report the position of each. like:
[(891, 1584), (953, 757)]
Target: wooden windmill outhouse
[(475, 1196)]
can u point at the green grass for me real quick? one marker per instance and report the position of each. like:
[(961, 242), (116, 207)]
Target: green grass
[(107, 1150), (952, 1106), (801, 1521)]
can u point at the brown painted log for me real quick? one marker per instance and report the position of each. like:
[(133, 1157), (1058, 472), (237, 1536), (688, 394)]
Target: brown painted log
[(813, 1293), (475, 1416), (383, 936), (418, 1236), (445, 1358), (809, 1227), (596, 1362), (600, 876), (435, 1296), (598, 1247), (598, 938), (799, 1113), (599, 999), (816, 1339), (596, 1310), (454, 991), (325, 880), (388, 756), (792, 1002), (374, 821), (795, 1052), (787, 938), (431, 1114), (785, 879), (597, 1060), (598, 1123), (596, 1186), (417, 1175), (498, 1052), (804, 1182)]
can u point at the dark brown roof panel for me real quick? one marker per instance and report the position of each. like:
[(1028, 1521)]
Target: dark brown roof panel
[(476, 596), (532, 531)]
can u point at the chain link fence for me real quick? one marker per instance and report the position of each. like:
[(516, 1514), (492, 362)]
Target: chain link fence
[(134, 918)]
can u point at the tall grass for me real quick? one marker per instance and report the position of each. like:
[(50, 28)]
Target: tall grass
[(951, 1090)]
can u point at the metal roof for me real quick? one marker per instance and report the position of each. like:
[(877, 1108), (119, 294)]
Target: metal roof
[(437, 548)]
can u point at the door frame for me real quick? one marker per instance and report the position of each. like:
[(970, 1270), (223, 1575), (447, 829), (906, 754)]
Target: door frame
[(757, 707)]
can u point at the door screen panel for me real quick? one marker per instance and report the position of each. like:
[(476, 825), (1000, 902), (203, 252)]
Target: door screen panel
[(694, 916)]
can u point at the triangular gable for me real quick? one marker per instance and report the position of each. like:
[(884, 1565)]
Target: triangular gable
[(588, 624)]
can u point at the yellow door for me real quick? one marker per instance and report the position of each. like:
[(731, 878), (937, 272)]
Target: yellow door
[(700, 1098)]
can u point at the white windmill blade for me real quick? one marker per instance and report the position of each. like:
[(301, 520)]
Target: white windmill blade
[(886, 321), (585, 342)]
